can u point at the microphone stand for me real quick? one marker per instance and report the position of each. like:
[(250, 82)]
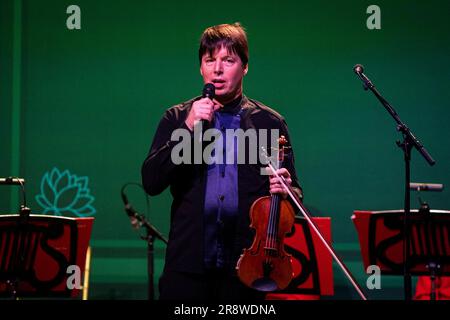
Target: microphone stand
[(151, 234), (409, 141)]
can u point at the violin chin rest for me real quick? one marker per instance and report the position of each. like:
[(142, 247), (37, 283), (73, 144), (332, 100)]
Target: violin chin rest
[(264, 284)]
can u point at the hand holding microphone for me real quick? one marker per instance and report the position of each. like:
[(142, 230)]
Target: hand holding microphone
[(204, 108)]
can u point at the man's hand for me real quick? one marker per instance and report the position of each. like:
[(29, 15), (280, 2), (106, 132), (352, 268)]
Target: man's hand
[(275, 184), (202, 109)]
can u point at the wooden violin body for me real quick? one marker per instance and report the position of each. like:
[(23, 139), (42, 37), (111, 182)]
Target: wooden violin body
[(265, 266)]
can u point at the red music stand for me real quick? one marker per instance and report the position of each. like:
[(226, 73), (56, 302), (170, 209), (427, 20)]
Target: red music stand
[(311, 261), (381, 239), (35, 252)]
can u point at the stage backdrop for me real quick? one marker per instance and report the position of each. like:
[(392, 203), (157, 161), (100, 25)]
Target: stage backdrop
[(82, 89)]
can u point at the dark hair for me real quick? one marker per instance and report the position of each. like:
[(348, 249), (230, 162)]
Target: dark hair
[(230, 36)]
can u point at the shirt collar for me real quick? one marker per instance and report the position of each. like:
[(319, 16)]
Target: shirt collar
[(232, 107)]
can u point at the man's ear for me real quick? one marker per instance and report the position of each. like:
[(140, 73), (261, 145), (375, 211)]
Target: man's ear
[(201, 71), (245, 69)]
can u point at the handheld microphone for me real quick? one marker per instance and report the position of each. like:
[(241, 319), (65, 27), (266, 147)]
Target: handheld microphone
[(209, 91)]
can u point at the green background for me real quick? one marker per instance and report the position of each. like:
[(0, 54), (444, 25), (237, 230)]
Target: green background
[(89, 101)]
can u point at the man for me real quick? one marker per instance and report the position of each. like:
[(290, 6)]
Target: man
[(210, 221)]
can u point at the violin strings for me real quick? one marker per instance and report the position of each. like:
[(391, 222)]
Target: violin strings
[(272, 230), (272, 224), (268, 232), (276, 220), (269, 239)]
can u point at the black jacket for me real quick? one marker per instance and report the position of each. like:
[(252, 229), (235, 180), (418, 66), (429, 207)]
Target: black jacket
[(187, 185)]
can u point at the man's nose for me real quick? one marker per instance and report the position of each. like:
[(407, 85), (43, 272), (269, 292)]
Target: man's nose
[(218, 68)]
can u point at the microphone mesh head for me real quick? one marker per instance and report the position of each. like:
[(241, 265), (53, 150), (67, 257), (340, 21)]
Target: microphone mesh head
[(209, 91), (358, 68)]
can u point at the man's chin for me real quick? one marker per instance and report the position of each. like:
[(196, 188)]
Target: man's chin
[(224, 99), (221, 92)]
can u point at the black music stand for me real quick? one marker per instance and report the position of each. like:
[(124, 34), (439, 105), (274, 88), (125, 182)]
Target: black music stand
[(381, 237), (36, 251)]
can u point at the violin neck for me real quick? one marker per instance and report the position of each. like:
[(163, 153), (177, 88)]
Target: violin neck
[(274, 217)]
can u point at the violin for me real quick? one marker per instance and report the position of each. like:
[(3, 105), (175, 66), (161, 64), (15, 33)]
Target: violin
[(266, 266)]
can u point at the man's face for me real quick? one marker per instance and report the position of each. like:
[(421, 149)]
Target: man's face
[(223, 69)]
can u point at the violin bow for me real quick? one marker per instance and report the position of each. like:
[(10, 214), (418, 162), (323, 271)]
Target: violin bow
[(308, 218)]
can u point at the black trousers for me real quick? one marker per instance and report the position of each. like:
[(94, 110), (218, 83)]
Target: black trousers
[(212, 286)]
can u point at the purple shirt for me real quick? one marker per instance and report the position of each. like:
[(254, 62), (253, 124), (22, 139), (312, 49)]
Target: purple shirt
[(221, 198)]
